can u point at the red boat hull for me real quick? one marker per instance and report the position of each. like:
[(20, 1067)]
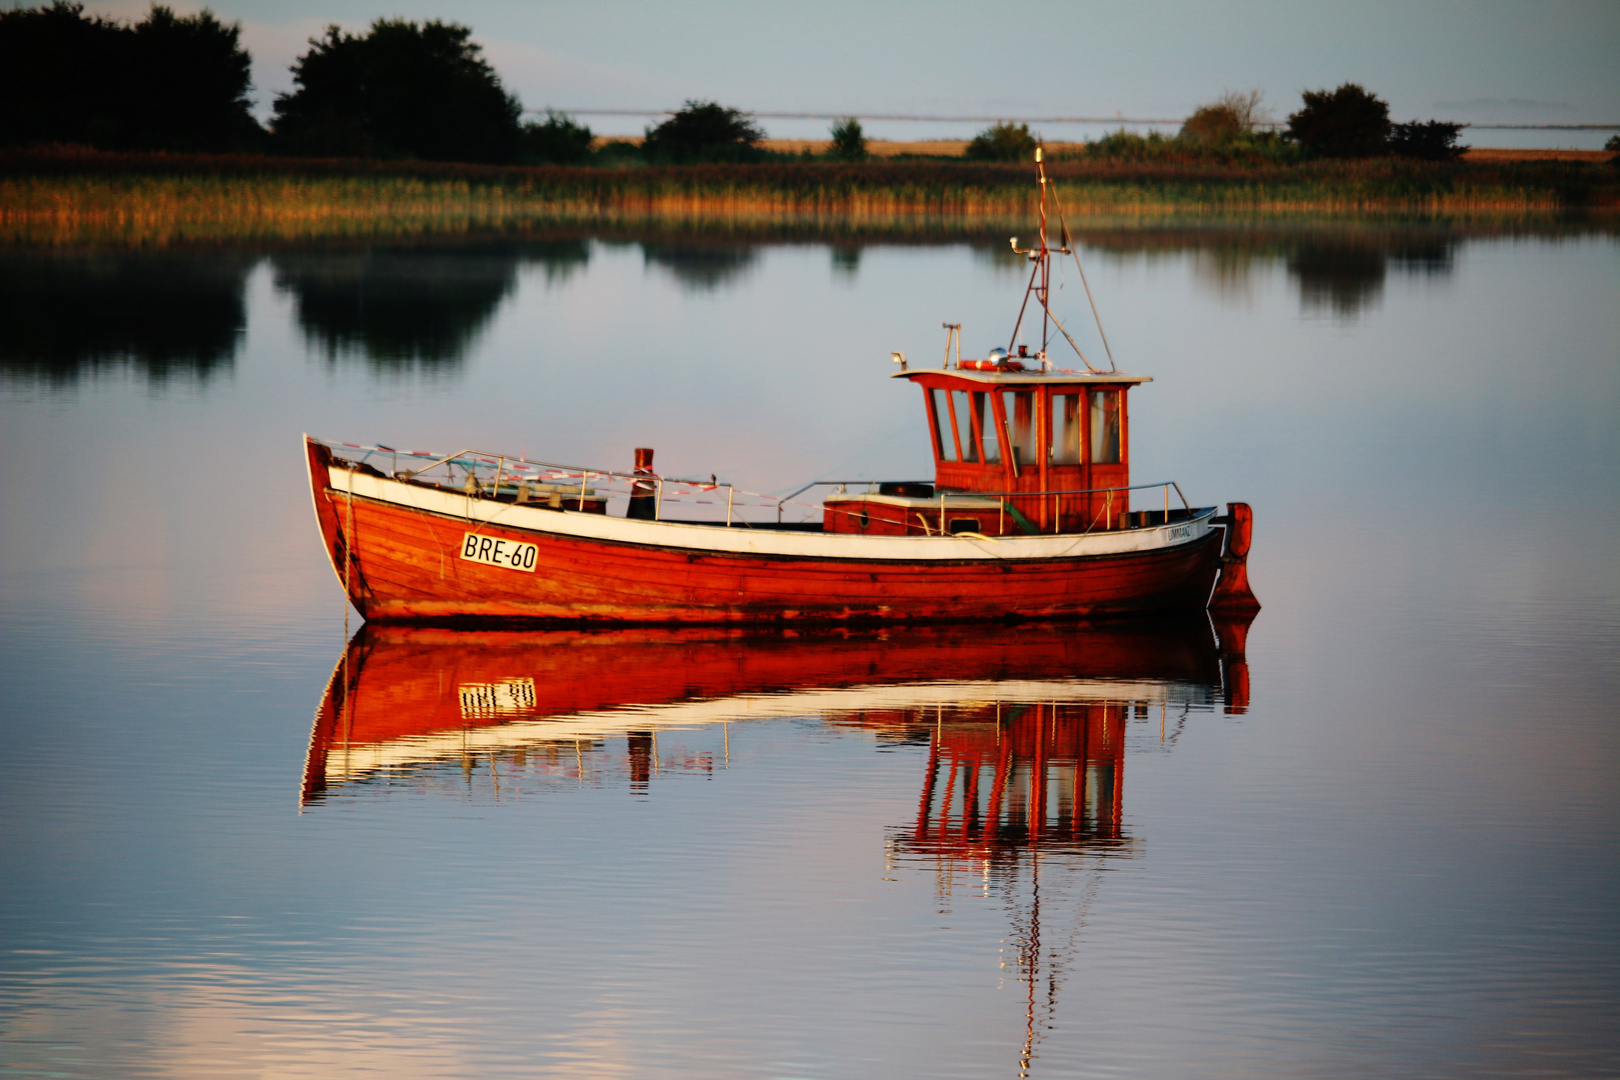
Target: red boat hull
[(403, 565)]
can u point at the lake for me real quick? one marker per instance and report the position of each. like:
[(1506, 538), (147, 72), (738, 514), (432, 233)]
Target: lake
[(244, 836)]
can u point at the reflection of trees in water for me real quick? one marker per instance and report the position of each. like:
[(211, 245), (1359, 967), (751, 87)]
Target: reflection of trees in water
[(1347, 278), (560, 259), (846, 261), (396, 308), (1000, 259), (701, 267), (1340, 280), (1340, 271), (1227, 272), (166, 316)]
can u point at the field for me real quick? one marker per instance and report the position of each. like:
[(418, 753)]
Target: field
[(75, 197)]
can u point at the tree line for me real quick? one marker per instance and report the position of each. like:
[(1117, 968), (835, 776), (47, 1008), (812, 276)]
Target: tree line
[(409, 90), (1347, 122)]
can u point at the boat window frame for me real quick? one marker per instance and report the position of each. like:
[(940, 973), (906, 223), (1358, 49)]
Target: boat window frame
[(1009, 409), (934, 395), (1116, 394), (1081, 444), (986, 413), (962, 413)]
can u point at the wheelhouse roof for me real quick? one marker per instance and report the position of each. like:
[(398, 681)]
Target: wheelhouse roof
[(1028, 378)]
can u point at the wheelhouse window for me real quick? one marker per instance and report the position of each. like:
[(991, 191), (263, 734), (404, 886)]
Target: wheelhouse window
[(986, 414), (965, 433), (1104, 427), (940, 402), (1065, 429), (1020, 408)]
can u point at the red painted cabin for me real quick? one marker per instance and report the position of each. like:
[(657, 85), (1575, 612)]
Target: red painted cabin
[(1015, 451)]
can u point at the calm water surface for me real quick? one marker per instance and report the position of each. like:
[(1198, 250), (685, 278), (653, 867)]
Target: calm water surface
[(235, 844)]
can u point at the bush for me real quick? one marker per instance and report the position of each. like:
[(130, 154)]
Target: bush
[(1433, 140), (1211, 125), (1254, 147), (848, 140), (1003, 142), (619, 154), (1125, 145), (558, 141), (402, 90), (1233, 115), (1344, 123), (704, 131)]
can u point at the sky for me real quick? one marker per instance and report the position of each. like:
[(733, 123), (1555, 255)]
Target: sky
[(1499, 60)]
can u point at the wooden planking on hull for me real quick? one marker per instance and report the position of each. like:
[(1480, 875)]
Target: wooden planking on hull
[(407, 567)]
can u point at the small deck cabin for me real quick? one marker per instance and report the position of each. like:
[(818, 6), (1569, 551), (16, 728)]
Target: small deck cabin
[(1015, 451)]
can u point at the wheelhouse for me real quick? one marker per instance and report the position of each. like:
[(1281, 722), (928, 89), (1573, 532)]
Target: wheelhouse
[(1052, 446), (1015, 451)]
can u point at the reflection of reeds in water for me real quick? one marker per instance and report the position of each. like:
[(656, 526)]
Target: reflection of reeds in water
[(153, 200)]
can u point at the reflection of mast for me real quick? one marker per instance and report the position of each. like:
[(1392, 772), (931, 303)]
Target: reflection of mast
[(1006, 783), (1031, 961)]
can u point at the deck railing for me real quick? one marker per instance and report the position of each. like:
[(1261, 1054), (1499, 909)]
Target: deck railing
[(1003, 496), (488, 474)]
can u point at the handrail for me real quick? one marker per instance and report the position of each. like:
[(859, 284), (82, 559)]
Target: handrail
[(502, 461), (842, 483), (1010, 494), (511, 459)]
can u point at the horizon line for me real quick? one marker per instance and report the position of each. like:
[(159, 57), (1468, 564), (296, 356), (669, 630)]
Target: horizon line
[(916, 118)]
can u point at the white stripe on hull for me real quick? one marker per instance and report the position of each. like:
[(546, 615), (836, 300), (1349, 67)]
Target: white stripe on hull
[(767, 542)]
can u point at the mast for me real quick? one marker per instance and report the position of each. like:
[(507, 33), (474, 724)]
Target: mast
[(1040, 276), (1040, 279)]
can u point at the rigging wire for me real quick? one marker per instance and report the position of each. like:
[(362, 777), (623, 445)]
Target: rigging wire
[(1074, 250)]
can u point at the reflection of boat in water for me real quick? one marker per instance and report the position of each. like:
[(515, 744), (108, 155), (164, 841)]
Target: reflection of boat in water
[(405, 699), (1026, 734), (1030, 514)]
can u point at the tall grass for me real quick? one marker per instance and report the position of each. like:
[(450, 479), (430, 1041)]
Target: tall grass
[(74, 197)]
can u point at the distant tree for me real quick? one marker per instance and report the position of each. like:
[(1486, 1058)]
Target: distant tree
[(404, 89), (1433, 140), (166, 83), (54, 75), (1210, 125), (619, 154), (1125, 145), (190, 90), (1003, 142), (848, 140), (1613, 145), (1230, 117), (704, 131), (557, 141), (1347, 122)]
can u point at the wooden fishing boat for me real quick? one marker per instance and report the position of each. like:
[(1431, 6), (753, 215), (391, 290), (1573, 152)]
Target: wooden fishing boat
[(1031, 514)]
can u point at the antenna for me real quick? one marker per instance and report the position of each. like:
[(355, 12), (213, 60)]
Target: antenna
[(953, 333), (1040, 277)]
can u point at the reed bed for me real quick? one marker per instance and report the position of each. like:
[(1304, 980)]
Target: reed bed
[(65, 197)]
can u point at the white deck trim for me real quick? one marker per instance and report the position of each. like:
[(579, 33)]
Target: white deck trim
[(763, 542), (1031, 378), (952, 501)]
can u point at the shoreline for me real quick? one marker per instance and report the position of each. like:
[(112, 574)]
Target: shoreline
[(64, 197)]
